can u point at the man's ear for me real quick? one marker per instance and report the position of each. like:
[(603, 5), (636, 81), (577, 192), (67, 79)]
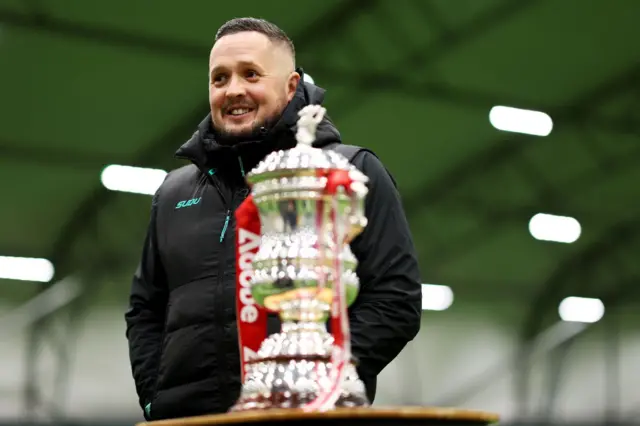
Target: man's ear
[(292, 85)]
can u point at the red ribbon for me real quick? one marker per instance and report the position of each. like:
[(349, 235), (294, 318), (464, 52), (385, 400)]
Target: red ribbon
[(251, 318)]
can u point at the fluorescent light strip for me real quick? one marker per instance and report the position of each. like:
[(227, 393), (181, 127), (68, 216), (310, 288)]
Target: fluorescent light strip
[(518, 120), (137, 180), (26, 269), (581, 309), (436, 297), (559, 229)]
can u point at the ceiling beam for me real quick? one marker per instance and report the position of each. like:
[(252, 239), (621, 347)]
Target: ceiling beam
[(563, 199), (434, 91), (504, 149), (448, 38), (132, 40), (104, 35)]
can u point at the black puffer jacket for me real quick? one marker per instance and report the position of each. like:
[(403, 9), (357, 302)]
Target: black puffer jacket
[(181, 323)]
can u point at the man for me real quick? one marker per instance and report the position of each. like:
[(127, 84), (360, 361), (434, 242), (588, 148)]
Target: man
[(181, 322)]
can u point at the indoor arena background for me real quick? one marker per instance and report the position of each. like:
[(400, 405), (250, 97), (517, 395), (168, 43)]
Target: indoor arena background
[(512, 129)]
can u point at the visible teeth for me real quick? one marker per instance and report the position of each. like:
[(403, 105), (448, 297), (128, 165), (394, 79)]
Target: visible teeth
[(239, 111)]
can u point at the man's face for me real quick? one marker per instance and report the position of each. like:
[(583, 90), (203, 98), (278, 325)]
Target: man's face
[(251, 82)]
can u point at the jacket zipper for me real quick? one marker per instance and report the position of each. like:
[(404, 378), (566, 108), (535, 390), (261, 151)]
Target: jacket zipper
[(226, 225), (222, 362), (212, 172), (241, 166), (228, 216)]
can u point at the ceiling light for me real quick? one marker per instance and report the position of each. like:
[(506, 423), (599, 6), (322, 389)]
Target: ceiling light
[(581, 309), (560, 229), (519, 120), (436, 297), (137, 180), (26, 269)]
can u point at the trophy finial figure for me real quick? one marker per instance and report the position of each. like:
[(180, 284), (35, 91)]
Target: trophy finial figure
[(310, 117)]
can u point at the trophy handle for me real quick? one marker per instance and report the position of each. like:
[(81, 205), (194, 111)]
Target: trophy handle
[(250, 317)]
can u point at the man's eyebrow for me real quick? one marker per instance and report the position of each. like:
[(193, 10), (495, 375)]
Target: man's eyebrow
[(219, 68)]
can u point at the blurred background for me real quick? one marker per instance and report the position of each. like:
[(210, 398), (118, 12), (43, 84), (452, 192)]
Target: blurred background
[(511, 126)]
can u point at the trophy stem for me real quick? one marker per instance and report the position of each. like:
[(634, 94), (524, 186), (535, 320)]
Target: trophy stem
[(305, 309), (303, 326)]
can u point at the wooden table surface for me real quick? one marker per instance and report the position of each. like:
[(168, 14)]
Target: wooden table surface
[(276, 415)]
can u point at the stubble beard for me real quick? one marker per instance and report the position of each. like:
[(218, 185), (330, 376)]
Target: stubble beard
[(245, 134), (255, 132)]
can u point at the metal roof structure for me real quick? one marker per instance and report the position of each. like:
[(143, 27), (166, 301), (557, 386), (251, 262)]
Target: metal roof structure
[(87, 84)]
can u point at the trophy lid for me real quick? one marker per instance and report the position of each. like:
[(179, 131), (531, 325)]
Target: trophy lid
[(303, 158), (297, 159)]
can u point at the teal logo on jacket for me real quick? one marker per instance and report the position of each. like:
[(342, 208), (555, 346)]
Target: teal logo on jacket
[(188, 203)]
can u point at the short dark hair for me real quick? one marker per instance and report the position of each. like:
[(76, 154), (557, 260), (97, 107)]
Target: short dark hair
[(262, 26)]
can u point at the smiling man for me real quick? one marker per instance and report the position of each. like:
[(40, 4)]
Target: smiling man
[(181, 322)]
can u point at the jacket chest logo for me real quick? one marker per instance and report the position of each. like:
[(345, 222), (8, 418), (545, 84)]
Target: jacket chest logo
[(188, 203)]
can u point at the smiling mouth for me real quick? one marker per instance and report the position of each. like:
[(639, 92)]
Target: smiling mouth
[(238, 112)]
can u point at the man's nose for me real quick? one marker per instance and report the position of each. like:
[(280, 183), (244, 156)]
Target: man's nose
[(235, 88)]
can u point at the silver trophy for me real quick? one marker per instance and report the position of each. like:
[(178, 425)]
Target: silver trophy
[(310, 204)]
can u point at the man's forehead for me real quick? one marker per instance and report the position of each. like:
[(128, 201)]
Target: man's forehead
[(245, 46)]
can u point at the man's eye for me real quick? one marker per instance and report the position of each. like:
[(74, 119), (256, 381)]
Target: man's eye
[(252, 74), (218, 78)]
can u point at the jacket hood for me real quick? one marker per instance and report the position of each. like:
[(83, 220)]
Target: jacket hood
[(204, 151)]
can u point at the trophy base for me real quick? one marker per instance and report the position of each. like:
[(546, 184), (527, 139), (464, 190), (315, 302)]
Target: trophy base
[(291, 369), (369, 416), (287, 400), (271, 385)]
